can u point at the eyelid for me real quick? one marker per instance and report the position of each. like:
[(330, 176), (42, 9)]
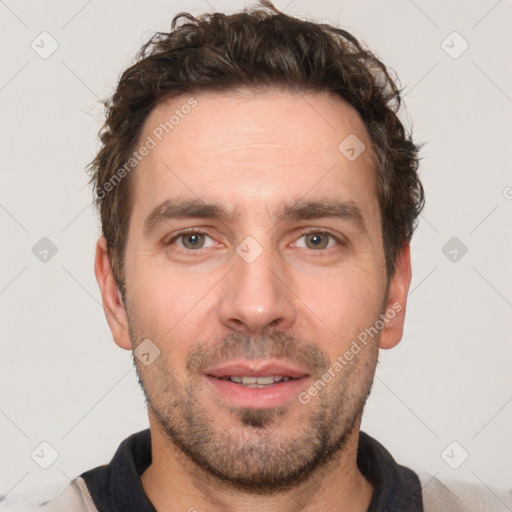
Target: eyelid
[(175, 236), (303, 231), (342, 241)]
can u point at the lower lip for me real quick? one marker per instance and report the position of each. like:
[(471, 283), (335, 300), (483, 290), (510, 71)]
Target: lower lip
[(257, 398)]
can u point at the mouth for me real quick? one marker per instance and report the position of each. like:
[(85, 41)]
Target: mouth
[(256, 384)]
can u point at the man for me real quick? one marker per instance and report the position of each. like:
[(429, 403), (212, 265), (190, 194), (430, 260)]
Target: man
[(257, 194)]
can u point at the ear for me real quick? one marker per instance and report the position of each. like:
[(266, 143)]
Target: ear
[(394, 314), (111, 296)]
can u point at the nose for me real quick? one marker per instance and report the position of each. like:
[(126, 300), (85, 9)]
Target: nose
[(255, 296)]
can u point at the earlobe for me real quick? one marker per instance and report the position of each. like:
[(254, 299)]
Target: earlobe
[(394, 314), (113, 306)]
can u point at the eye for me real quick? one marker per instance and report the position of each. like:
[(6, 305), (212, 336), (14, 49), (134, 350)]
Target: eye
[(317, 240), (192, 240)]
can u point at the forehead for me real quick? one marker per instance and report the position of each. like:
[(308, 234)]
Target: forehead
[(247, 148)]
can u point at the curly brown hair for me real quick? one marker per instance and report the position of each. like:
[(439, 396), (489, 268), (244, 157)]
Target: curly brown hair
[(257, 48)]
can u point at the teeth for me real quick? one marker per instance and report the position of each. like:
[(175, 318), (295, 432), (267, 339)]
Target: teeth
[(263, 380), (258, 382)]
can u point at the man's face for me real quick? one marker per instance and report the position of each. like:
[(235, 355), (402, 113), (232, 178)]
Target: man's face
[(280, 269)]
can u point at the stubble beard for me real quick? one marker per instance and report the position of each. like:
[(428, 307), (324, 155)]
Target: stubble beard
[(264, 451)]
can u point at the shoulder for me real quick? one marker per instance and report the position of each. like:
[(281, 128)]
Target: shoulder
[(457, 496), (74, 497)]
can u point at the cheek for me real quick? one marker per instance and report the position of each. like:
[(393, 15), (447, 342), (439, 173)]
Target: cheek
[(162, 295), (170, 307), (347, 301)]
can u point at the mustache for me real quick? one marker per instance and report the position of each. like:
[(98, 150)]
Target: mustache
[(273, 345)]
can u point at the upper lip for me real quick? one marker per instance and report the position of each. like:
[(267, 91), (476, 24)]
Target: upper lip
[(255, 368)]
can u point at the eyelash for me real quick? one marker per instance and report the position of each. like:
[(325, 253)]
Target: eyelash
[(302, 232), (319, 252)]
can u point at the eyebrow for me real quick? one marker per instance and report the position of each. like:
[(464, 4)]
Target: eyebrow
[(299, 209)]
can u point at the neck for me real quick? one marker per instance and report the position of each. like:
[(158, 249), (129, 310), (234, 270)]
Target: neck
[(173, 482)]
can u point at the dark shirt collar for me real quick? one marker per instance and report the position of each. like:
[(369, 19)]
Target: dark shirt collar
[(116, 487), (396, 488)]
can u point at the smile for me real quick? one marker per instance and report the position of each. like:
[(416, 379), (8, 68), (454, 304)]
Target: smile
[(258, 382)]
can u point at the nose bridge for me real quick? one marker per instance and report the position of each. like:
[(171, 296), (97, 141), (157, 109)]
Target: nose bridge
[(253, 296)]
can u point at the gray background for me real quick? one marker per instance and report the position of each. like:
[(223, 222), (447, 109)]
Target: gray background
[(65, 382)]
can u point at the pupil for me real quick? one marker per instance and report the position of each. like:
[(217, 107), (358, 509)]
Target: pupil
[(193, 240), (317, 240)]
